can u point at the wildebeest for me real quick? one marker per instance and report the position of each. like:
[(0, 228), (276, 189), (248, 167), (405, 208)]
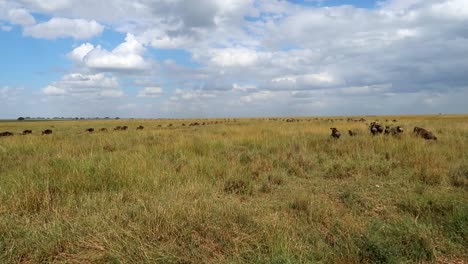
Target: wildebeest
[(387, 130), (352, 133), (169, 125), (424, 133), (90, 130), (103, 129), (27, 132), (396, 130), (123, 127), (47, 132), (117, 128), (6, 134), (140, 127), (376, 128), (335, 133)]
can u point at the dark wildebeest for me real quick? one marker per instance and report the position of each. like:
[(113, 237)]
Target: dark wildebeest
[(169, 125), (124, 128), (352, 133), (117, 128), (376, 128), (103, 129), (424, 133), (47, 132), (90, 130), (6, 134), (140, 127), (335, 133), (27, 132)]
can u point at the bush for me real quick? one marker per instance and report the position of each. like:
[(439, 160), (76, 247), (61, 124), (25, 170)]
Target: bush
[(237, 186)]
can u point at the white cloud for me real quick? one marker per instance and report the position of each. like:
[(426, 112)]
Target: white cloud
[(65, 27), (21, 17), (90, 86), (150, 92), (128, 56)]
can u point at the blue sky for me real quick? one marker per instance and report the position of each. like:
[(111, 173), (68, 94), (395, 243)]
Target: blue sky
[(214, 58)]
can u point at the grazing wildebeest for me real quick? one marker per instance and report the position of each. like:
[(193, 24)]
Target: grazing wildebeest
[(169, 125), (387, 130), (352, 133), (6, 134), (335, 133), (396, 130), (376, 128), (117, 128), (27, 132), (140, 127), (90, 130), (124, 128), (103, 129), (47, 132), (424, 133)]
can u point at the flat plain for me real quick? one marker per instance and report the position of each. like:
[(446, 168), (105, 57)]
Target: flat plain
[(234, 191)]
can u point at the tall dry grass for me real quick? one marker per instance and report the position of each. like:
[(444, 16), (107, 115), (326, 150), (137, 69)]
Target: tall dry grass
[(250, 191)]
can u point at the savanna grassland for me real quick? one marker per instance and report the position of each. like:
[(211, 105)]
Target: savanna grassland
[(250, 191)]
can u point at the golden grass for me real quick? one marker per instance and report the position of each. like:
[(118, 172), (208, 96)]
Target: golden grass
[(244, 191)]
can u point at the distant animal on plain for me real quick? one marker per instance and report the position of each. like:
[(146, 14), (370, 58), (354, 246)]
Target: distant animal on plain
[(27, 132), (103, 129), (6, 134), (140, 127), (376, 128), (352, 133), (424, 133), (335, 133), (90, 130), (117, 128), (124, 127), (46, 132), (396, 130)]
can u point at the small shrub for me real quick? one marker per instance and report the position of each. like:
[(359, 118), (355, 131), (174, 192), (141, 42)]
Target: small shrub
[(245, 159), (300, 204), (350, 199), (109, 148), (276, 179), (266, 188), (237, 186)]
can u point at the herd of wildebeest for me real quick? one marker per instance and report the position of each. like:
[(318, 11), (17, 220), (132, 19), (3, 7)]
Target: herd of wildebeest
[(375, 128)]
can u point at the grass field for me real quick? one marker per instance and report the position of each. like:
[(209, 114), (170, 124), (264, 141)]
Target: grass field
[(250, 191)]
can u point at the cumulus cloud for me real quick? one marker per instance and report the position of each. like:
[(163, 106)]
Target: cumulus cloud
[(92, 86), (64, 27), (21, 17), (128, 56)]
